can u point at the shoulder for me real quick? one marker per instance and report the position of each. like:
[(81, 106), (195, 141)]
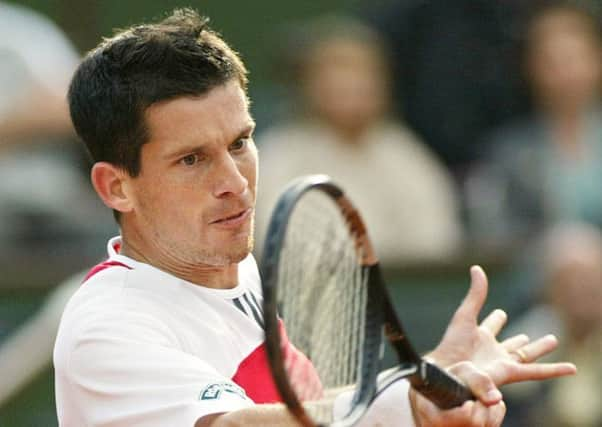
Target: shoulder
[(525, 131), (399, 140), (519, 142), (98, 288), (104, 305), (405, 151), (104, 279)]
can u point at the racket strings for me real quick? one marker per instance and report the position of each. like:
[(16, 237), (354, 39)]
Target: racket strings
[(323, 294)]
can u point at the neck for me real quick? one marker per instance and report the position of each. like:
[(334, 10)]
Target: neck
[(568, 128), (566, 110), (351, 135), (206, 275)]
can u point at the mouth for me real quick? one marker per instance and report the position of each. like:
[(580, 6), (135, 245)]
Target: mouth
[(233, 220)]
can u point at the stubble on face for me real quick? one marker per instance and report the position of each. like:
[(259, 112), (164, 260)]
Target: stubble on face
[(210, 256)]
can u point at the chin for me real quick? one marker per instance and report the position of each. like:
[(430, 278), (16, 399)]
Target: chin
[(238, 256), (232, 253), (227, 259), (232, 256)]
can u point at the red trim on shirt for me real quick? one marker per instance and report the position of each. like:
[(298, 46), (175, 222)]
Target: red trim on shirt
[(104, 266), (255, 377)]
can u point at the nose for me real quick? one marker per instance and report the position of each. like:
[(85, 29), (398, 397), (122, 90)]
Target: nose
[(229, 180)]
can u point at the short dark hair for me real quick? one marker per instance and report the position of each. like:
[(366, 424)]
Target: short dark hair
[(137, 67), (586, 19)]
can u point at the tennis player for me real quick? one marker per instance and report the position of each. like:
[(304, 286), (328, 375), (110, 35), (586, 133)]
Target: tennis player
[(168, 331)]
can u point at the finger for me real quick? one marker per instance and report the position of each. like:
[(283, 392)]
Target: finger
[(475, 298), (513, 343), (508, 372), (461, 416), (496, 414), (479, 416), (481, 384), (427, 414), (533, 351), (495, 321), (541, 371)]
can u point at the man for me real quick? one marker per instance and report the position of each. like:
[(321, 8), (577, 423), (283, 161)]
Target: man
[(166, 332), (344, 129)]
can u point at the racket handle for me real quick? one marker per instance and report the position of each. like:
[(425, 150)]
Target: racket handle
[(439, 387)]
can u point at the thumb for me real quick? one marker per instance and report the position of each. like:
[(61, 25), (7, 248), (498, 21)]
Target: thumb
[(475, 298)]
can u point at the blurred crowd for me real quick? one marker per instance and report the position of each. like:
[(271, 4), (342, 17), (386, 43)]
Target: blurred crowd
[(44, 194), (456, 126)]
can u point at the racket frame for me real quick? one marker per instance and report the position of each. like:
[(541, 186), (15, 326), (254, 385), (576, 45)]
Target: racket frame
[(427, 378)]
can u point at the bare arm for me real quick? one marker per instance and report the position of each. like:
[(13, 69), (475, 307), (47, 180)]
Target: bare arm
[(39, 112), (274, 415)]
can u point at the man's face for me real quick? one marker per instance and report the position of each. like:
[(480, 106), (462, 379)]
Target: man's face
[(564, 63), (346, 84), (195, 196)]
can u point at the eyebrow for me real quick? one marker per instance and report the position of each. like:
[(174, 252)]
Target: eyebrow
[(199, 148)]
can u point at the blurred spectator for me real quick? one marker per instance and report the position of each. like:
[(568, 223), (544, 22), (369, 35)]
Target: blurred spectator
[(547, 167), (570, 306), (405, 195), (42, 193), (455, 74), (44, 197)]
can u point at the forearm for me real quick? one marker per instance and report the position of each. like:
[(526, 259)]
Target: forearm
[(391, 407), (269, 415), (31, 118)]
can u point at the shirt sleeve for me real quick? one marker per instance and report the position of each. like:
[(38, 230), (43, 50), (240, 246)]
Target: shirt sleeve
[(128, 372)]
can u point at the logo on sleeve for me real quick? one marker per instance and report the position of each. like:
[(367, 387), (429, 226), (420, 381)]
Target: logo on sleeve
[(217, 390)]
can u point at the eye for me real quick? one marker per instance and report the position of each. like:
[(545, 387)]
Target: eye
[(190, 159), (239, 144)]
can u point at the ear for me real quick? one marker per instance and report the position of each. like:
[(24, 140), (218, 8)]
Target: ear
[(110, 182)]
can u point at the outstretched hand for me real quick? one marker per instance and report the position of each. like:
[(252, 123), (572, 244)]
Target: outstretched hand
[(471, 352), (512, 360)]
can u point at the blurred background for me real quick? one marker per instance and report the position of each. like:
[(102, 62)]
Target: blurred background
[(467, 131)]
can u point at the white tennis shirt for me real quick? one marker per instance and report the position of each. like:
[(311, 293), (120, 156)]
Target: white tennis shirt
[(138, 347)]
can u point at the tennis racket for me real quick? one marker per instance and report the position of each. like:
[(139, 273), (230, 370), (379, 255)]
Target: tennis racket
[(321, 278)]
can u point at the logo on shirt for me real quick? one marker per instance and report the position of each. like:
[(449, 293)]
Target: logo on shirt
[(215, 391)]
